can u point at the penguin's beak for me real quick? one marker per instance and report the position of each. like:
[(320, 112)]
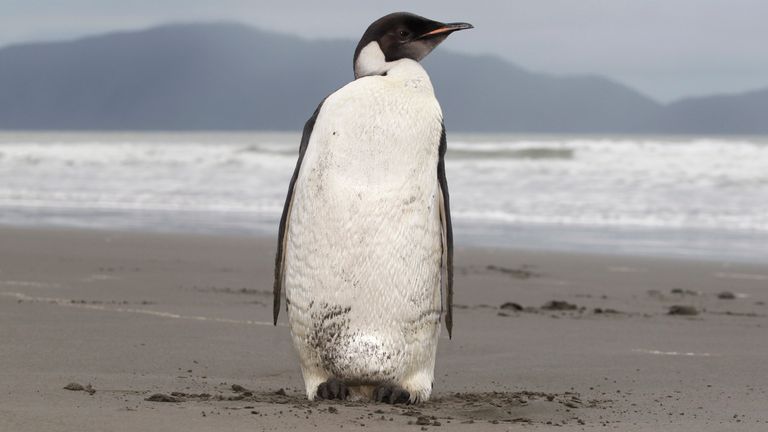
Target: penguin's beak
[(446, 29)]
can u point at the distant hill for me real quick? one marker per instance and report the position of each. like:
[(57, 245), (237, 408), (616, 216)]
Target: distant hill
[(227, 76), (723, 114)]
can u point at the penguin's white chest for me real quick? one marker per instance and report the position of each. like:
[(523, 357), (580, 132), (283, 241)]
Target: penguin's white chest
[(364, 244)]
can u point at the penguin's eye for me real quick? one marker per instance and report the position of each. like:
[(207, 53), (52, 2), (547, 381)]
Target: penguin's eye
[(404, 34)]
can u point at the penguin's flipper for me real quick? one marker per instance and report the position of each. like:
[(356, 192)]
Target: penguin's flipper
[(445, 217), (281, 236)]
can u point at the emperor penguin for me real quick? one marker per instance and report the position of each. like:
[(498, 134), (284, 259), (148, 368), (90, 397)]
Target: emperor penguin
[(365, 244)]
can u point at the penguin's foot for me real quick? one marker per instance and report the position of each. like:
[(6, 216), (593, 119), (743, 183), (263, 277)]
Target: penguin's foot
[(391, 394), (332, 389)]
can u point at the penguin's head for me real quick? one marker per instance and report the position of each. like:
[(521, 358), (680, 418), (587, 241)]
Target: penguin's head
[(399, 36)]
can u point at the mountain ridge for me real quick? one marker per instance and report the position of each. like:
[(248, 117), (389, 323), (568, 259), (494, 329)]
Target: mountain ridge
[(231, 76)]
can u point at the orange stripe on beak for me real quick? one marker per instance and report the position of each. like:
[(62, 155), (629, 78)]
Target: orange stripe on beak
[(438, 31), (448, 28)]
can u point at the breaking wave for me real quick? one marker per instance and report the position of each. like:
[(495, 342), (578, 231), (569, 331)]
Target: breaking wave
[(571, 181)]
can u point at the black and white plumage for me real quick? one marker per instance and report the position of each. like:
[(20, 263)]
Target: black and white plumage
[(365, 248)]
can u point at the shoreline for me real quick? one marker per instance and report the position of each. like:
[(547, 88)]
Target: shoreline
[(134, 314), (684, 244), (697, 198)]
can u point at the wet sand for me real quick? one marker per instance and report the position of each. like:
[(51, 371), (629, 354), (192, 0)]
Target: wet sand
[(172, 332)]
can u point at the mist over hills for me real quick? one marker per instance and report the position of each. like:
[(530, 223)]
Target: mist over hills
[(226, 76)]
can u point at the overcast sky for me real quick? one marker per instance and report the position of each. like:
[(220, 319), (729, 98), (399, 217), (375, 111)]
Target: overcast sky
[(664, 48)]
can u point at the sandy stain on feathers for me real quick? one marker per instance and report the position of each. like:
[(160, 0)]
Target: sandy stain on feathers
[(337, 346)]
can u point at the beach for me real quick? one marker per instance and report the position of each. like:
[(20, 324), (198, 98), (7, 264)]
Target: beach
[(586, 190), (162, 331)]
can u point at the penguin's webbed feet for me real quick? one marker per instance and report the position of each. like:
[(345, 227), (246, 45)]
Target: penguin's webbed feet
[(391, 394), (332, 389)]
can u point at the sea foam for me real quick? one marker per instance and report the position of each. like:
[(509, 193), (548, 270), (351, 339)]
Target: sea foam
[(619, 182)]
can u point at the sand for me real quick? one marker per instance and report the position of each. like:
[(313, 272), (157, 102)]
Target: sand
[(128, 332)]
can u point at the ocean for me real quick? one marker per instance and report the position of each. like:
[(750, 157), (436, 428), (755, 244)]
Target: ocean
[(687, 197)]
